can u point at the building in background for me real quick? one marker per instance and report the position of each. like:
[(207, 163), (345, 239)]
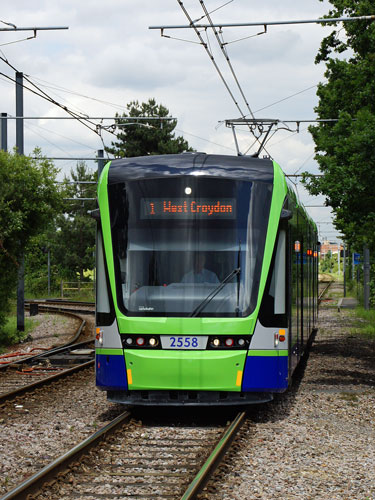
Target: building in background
[(330, 246)]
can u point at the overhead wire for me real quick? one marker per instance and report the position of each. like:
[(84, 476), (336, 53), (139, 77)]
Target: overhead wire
[(60, 135), (81, 118), (72, 92), (42, 94), (53, 92), (211, 56), (8, 24), (212, 11), (62, 89), (206, 140), (286, 98), (304, 163), (225, 53), (30, 127)]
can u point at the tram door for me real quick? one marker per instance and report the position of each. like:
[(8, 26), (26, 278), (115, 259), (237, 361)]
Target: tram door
[(295, 292)]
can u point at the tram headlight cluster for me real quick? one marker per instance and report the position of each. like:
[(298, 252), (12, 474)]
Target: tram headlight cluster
[(99, 336), (224, 342), (135, 341)]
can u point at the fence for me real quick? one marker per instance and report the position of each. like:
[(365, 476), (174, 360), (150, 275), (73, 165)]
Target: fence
[(76, 287)]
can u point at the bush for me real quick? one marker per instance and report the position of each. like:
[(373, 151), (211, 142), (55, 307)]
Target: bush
[(29, 200)]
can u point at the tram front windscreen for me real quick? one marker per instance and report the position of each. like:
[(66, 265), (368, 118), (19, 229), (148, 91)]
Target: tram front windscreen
[(188, 246)]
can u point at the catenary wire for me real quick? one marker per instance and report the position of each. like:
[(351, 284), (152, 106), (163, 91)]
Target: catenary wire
[(211, 56), (72, 92), (39, 92), (199, 35), (225, 53), (212, 11)]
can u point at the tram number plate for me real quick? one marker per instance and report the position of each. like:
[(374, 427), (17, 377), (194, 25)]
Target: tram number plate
[(186, 342)]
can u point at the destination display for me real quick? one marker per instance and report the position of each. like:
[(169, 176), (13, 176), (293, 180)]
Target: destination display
[(188, 208)]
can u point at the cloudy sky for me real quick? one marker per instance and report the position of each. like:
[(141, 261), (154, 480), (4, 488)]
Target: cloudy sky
[(108, 57)]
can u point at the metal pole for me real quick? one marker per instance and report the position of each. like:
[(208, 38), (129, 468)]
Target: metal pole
[(264, 23), (101, 161), (20, 151), (49, 271), (235, 141), (338, 257), (19, 113), (21, 295), (353, 267), (344, 270), (4, 132), (366, 278)]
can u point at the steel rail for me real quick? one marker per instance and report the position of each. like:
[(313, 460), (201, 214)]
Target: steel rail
[(45, 381), (210, 465), (322, 293), (61, 309), (53, 350), (61, 301), (35, 482)]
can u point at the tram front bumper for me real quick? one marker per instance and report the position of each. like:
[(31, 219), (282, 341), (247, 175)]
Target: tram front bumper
[(185, 370)]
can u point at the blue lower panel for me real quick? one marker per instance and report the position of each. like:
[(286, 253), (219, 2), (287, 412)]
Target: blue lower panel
[(265, 373), (111, 372)]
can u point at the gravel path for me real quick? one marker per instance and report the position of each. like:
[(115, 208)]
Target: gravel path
[(38, 427), (51, 330), (317, 441)]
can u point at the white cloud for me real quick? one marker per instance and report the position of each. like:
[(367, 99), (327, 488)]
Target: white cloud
[(109, 53)]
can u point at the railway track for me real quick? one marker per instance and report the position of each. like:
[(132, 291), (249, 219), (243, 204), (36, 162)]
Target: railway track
[(135, 461), (23, 376), (62, 306), (20, 374), (324, 285)]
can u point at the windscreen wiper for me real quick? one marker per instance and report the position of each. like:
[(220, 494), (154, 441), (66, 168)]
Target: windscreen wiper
[(213, 294)]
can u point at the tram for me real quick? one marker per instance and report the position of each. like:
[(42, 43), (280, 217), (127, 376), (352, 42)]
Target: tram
[(206, 280)]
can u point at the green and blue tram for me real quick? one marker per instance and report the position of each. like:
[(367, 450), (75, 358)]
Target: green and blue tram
[(206, 280)]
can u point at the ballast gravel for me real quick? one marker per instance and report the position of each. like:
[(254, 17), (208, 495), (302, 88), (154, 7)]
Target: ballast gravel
[(318, 440), (51, 330), (39, 427)]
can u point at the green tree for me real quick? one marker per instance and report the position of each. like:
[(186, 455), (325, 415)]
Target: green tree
[(327, 264), (74, 242), (345, 149), (29, 200), (146, 137)]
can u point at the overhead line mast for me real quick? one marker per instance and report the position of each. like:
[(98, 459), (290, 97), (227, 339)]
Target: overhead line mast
[(265, 23), (35, 28)]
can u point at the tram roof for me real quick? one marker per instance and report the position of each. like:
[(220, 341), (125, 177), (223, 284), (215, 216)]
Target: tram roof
[(198, 164)]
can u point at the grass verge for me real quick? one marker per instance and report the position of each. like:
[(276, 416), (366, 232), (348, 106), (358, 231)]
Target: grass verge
[(366, 322), (9, 334)]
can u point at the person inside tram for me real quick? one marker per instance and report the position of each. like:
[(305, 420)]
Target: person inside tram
[(199, 274)]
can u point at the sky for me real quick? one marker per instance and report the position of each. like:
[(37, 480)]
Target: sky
[(109, 57)]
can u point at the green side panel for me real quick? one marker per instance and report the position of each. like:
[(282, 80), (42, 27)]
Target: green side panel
[(268, 353), (106, 228), (280, 190), (185, 370), (186, 326), (112, 352)]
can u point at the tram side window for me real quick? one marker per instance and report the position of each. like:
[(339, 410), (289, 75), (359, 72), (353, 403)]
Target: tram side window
[(102, 301), (273, 308)]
